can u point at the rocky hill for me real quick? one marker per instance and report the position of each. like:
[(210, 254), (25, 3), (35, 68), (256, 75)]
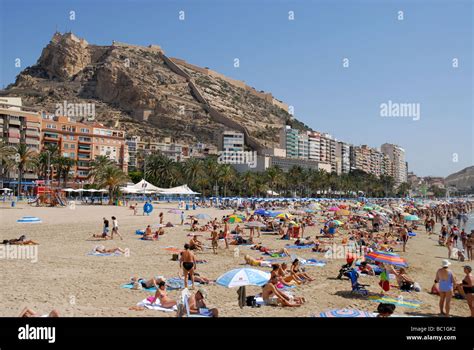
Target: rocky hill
[(140, 90), (463, 180)]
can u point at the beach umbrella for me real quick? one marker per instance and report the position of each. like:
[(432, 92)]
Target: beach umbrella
[(367, 208), (309, 211), (203, 216), (387, 258), (274, 213), (344, 212), (346, 313), (29, 220), (174, 211), (284, 216), (333, 209), (335, 222), (261, 212), (236, 218), (255, 224), (243, 277), (411, 218)]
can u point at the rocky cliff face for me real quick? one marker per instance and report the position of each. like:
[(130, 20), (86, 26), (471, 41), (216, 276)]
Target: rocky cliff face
[(463, 180), (134, 88)]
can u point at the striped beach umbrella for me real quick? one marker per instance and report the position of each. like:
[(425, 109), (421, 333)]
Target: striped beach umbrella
[(387, 258), (243, 277), (284, 216), (346, 313), (29, 220), (236, 218)]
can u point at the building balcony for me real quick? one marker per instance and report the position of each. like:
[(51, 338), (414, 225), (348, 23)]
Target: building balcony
[(14, 122)]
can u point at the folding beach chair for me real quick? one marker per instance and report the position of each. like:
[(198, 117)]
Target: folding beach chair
[(357, 288), (185, 295)]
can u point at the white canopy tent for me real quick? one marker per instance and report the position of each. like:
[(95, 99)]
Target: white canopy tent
[(145, 187)]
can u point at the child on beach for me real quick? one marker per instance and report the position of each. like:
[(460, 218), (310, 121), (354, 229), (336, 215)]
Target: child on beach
[(214, 239)]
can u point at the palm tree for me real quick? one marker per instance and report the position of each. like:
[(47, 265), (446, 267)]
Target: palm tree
[(193, 168), (275, 177), (97, 166), (47, 157), (227, 176), (160, 170), (25, 159), (6, 152), (111, 177), (68, 163)]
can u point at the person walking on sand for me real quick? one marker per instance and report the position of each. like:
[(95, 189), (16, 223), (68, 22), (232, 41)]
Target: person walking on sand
[(404, 236), (226, 232), (182, 218), (446, 280), (161, 218), (188, 263), (115, 228)]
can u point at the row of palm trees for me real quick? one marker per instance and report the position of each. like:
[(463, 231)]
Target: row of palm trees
[(207, 175), (104, 173)]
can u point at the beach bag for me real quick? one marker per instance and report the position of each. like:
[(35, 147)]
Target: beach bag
[(416, 287), (175, 257)]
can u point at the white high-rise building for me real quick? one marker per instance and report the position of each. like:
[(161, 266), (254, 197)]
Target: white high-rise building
[(396, 154)]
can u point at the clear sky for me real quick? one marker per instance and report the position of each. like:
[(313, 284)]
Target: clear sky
[(300, 61)]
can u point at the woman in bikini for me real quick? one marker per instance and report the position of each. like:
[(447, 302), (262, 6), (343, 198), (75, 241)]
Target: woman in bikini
[(446, 280), (295, 271), (161, 295)]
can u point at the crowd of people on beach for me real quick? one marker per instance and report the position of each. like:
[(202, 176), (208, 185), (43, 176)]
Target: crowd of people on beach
[(365, 228)]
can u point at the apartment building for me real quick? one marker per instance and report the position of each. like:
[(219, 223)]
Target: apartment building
[(399, 167)]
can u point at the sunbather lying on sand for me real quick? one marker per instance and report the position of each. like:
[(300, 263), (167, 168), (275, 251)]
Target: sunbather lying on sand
[(26, 312), (152, 282), (255, 262), (19, 241), (102, 249), (260, 247), (272, 296)]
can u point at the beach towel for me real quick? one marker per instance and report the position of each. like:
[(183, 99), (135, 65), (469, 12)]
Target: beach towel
[(313, 262), (130, 286), (172, 249), (104, 254), (412, 304), (146, 303), (308, 246), (178, 283)]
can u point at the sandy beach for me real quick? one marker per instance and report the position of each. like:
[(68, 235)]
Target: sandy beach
[(66, 278)]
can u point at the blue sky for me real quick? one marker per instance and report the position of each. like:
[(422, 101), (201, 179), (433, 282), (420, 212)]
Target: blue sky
[(299, 61)]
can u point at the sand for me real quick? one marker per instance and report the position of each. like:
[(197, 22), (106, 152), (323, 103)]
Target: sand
[(76, 284)]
